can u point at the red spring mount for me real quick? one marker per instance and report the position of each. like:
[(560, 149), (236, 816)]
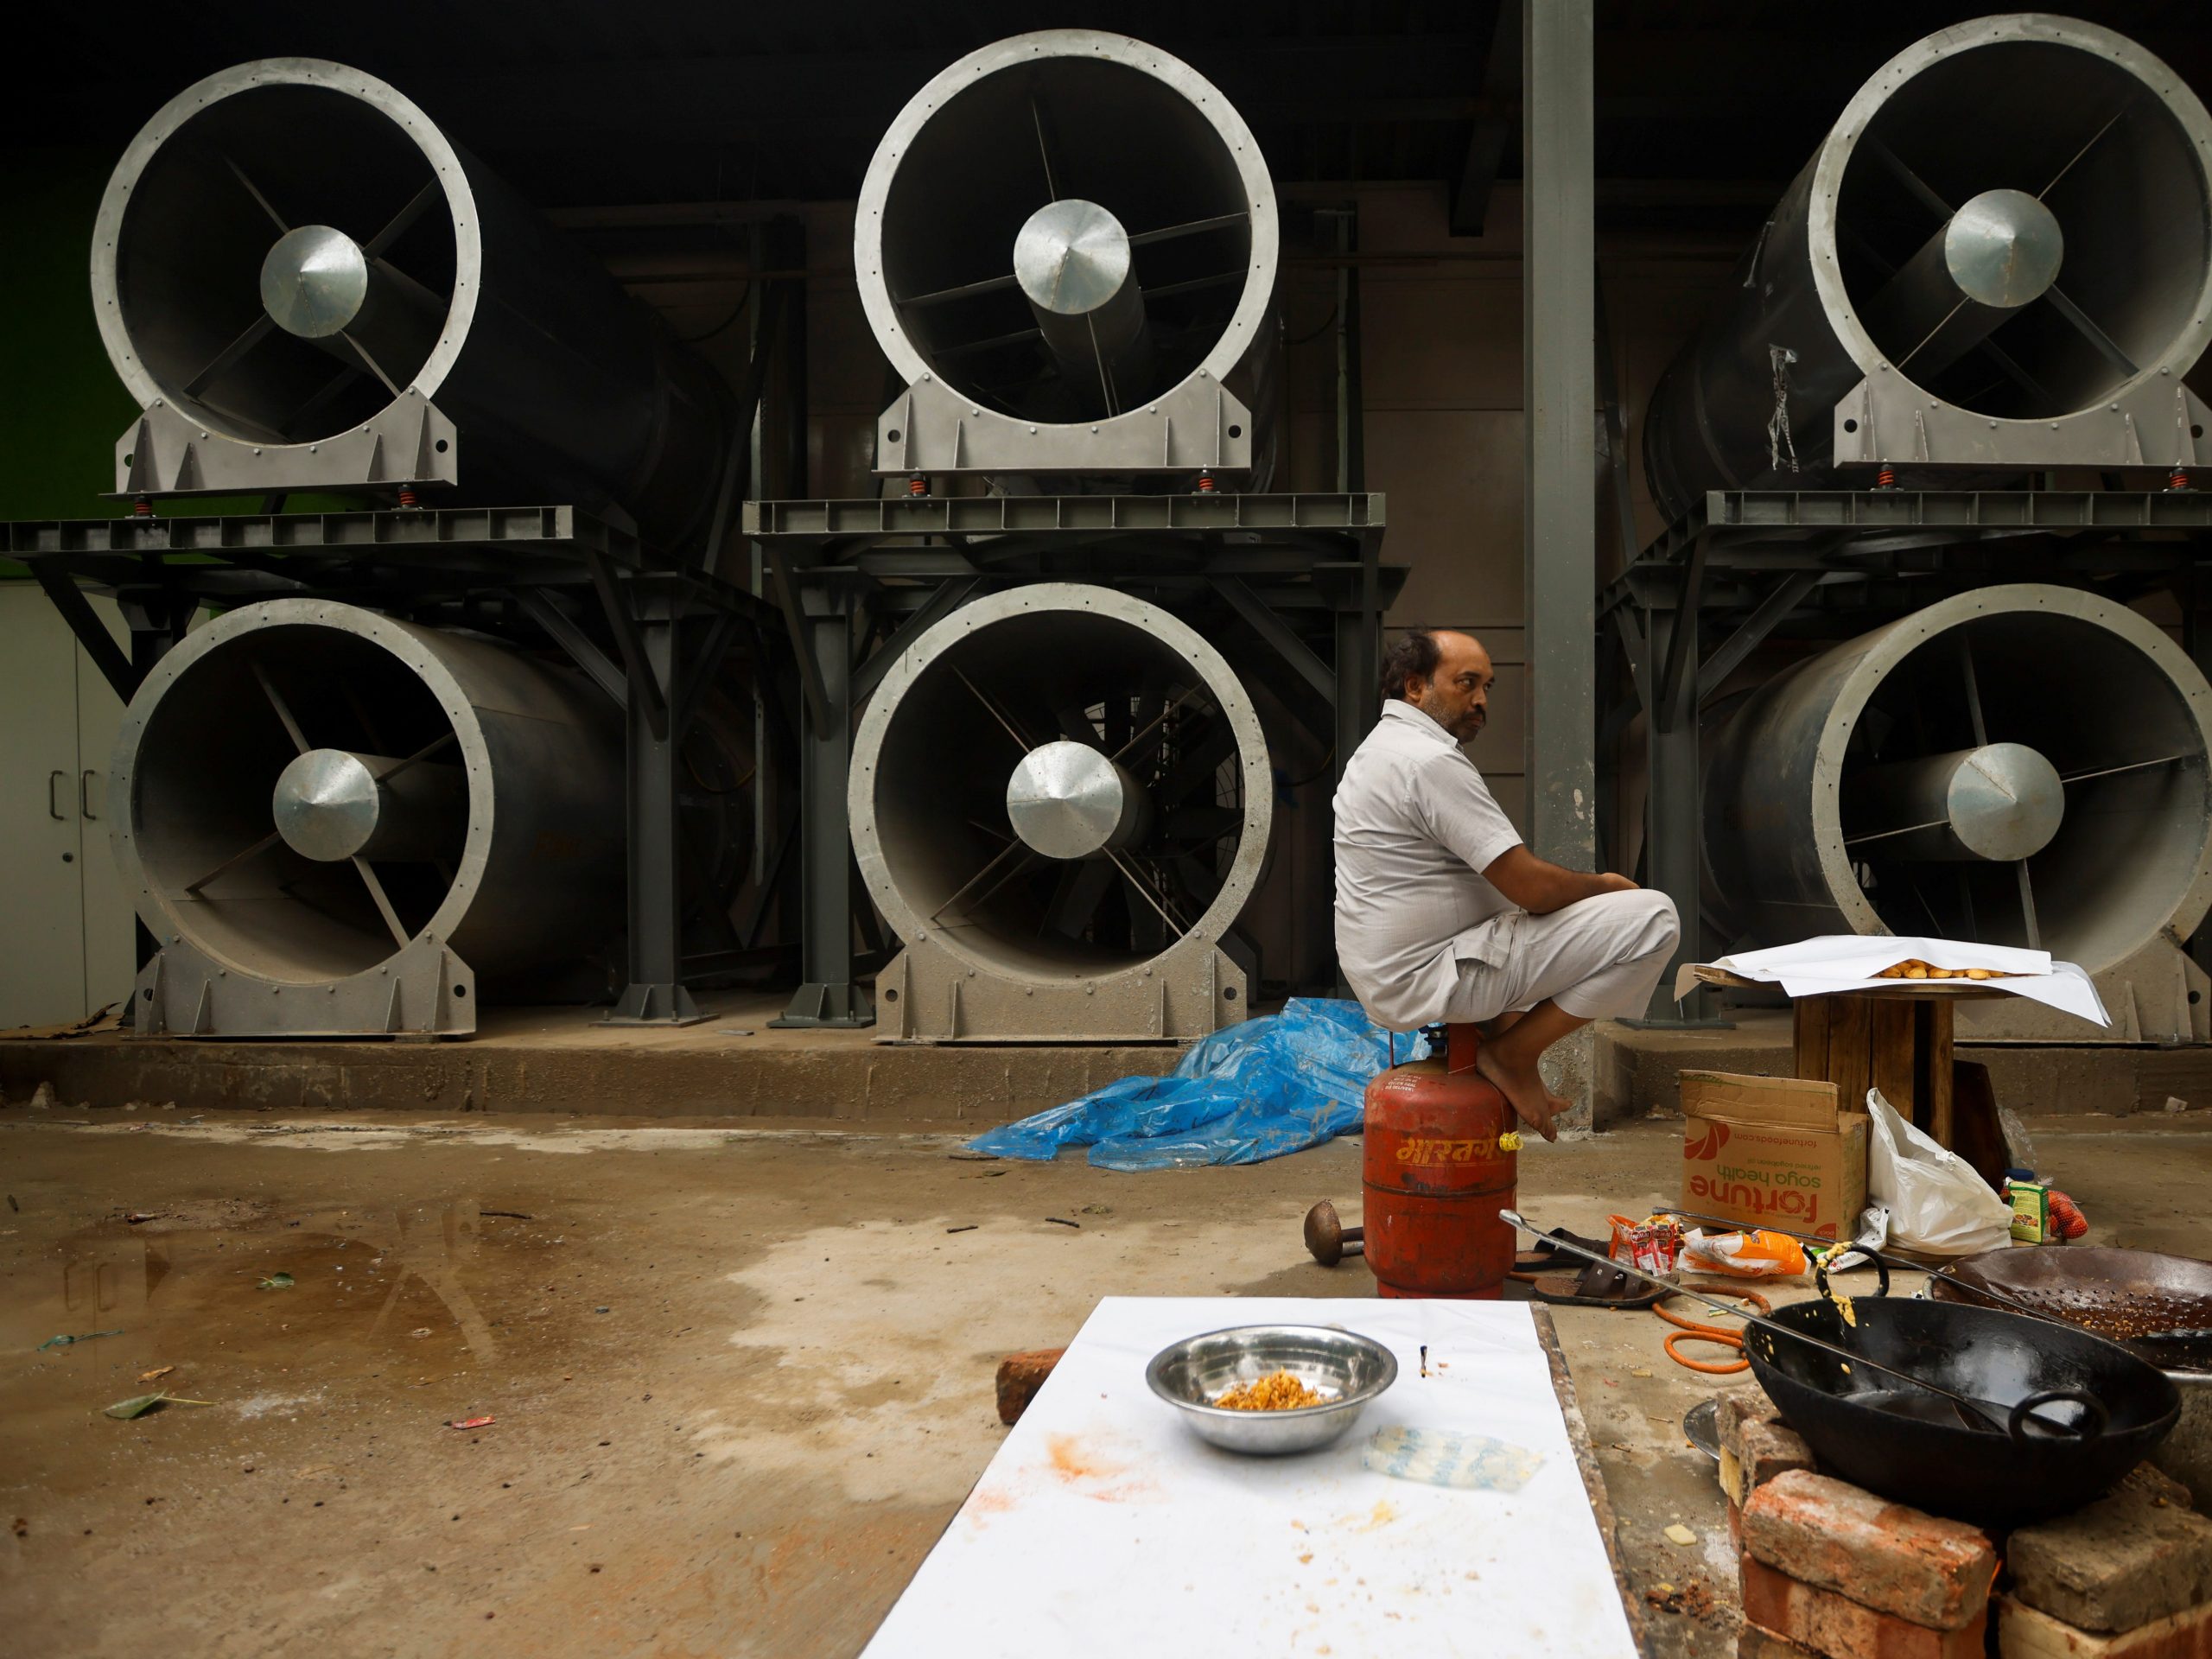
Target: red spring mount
[(407, 496), (2179, 479), (1887, 478), (1205, 484), (918, 483), (141, 506)]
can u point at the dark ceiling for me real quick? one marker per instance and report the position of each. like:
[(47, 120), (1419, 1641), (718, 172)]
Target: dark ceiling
[(1704, 107)]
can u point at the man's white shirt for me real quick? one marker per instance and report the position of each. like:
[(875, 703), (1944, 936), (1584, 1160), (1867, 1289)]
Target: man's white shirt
[(1416, 826)]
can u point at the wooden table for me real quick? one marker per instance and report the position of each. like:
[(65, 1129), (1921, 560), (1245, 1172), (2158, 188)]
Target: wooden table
[(1897, 1038)]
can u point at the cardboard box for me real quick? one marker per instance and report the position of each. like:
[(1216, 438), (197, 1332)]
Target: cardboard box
[(1772, 1152), (2030, 1202)]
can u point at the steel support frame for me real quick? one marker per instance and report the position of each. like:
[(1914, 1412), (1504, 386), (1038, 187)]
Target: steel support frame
[(521, 571), (1274, 561), (820, 610)]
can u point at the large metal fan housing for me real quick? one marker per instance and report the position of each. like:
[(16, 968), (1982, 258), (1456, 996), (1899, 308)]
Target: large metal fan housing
[(2023, 764), (1066, 245), (1060, 800), (306, 284), (2000, 258), (336, 823)]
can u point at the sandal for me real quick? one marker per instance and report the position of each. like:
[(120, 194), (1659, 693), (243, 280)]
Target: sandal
[(1545, 1257), (1599, 1284)]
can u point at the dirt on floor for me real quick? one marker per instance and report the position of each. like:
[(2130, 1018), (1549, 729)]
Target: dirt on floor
[(737, 1380)]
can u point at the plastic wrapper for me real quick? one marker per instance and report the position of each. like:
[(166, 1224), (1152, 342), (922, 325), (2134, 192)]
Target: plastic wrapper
[(1439, 1457), (1253, 1091), (1651, 1244), (1755, 1255)]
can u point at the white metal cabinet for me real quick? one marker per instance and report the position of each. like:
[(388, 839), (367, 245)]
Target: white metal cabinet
[(66, 935)]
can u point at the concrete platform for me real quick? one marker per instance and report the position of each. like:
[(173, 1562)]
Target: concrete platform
[(563, 1059), (737, 1065)]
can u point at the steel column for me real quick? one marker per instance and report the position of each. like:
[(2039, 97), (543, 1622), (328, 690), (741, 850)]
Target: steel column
[(655, 994), (828, 995), (1674, 835), (1559, 508), (1559, 365)]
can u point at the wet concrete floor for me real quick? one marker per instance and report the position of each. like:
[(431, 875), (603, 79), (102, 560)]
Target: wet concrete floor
[(740, 1380)]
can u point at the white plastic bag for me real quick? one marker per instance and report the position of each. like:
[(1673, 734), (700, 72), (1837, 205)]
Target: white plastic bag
[(1937, 1203)]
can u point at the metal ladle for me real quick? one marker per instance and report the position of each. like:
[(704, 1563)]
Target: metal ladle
[(2006, 1419)]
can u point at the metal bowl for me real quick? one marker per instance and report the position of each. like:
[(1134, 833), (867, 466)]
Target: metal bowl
[(1351, 1370)]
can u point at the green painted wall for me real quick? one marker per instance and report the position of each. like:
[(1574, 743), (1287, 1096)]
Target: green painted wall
[(62, 408)]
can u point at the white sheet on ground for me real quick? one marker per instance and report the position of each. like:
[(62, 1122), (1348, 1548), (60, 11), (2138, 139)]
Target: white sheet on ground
[(1854, 961), (1105, 1526)]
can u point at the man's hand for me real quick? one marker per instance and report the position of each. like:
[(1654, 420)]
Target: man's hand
[(1539, 887)]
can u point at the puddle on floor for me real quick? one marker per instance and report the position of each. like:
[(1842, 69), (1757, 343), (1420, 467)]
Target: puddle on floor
[(436, 1295)]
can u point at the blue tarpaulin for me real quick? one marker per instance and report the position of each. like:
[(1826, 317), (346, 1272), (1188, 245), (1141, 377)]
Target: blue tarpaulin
[(1257, 1090)]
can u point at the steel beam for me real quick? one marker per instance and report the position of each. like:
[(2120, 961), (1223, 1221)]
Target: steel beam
[(943, 600), (829, 994), (655, 994), (1491, 130), (1558, 363), (562, 630), (115, 668)]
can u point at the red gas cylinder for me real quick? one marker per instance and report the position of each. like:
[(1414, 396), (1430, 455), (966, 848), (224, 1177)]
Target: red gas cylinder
[(1440, 1162)]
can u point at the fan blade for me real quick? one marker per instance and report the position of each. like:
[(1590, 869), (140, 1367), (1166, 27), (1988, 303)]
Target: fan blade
[(283, 712), (1915, 184), (401, 222), (1193, 228), (399, 935), (1974, 692), (2124, 104), (228, 359), (1012, 730), (275, 217), (946, 296), (2106, 346), (234, 862)]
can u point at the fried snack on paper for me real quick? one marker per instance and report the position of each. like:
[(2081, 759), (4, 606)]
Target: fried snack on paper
[(1914, 968)]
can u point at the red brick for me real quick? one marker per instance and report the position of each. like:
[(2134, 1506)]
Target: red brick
[(2023, 1632), (1883, 1555), (1760, 1450), (2155, 1484), (1842, 1629), (2120, 1563), (1020, 1377), (1735, 1525), (1752, 1643)]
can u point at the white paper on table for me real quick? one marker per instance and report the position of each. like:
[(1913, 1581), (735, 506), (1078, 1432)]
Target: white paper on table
[(1104, 1525), (1854, 961)]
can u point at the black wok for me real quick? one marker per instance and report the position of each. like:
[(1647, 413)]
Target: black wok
[(2083, 1411)]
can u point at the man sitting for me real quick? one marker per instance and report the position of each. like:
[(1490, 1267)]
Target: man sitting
[(1443, 914)]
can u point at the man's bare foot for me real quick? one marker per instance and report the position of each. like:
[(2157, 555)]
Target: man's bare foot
[(1523, 1088)]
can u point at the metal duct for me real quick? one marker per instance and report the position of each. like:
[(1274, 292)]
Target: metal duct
[(2000, 256), (307, 285), (1060, 799), (1067, 246), (2022, 764), (337, 823)]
